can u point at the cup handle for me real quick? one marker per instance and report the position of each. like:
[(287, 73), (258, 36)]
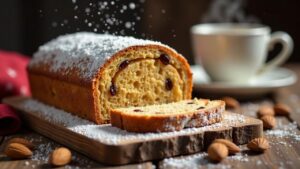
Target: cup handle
[(287, 48)]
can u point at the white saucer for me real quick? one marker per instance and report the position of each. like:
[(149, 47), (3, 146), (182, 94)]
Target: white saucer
[(269, 82)]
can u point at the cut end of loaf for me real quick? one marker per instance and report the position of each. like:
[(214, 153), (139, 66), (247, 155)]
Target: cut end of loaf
[(168, 117), (143, 75)]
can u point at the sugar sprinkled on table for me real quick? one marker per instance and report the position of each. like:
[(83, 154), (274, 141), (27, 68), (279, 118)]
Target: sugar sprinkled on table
[(112, 135)]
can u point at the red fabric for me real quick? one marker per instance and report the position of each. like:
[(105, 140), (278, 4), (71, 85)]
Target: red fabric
[(9, 120), (13, 77), (13, 81)]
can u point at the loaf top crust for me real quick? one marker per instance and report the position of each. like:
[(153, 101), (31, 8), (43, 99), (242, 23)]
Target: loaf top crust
[(83, 53)]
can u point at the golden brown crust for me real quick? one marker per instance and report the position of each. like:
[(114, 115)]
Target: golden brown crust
[(80, 96), (72, 98), (165, 123)]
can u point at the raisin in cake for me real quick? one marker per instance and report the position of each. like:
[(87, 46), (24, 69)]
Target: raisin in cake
[(87, 73), (168, 117)]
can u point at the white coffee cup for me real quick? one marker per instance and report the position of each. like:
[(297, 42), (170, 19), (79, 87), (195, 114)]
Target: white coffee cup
[(237, 52)]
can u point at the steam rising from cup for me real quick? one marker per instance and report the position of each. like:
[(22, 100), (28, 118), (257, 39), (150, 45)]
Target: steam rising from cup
[(228, 11)]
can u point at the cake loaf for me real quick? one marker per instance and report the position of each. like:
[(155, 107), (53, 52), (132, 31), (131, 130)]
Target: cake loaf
[(87, 73), (168, 117)]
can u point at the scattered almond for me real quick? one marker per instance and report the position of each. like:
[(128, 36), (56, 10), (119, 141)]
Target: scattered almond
[(22, 141), (232, 148), (231, 103), (265, 110), (282, 109), (217, 151), (269, 122), (258, 144), (17, 151), (60, 157)]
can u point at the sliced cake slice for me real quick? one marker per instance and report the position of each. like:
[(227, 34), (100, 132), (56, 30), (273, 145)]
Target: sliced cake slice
[(168, 117)]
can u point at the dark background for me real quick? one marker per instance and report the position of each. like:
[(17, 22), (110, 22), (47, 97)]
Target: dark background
[(26, 24)]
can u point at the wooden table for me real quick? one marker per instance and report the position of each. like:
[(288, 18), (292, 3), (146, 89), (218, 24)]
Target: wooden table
[(284, 152)]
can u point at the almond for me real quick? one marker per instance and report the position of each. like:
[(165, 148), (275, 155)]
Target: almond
[(217, 152), (22, 141), (231, 103), (265, 110), (269, 122), (17, 151), (232, 148), (282, 109), (258, 144), (60, 156)]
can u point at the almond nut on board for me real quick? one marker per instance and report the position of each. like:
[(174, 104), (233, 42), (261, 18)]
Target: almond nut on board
[(60, 157), (232, 148), (23, 141), (258, 144), (17, 151), (282, 109), (217, 152), (269, 122), (265, 110), (231, 103)]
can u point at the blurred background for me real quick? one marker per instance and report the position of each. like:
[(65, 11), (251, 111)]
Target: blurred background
[(26, 24)]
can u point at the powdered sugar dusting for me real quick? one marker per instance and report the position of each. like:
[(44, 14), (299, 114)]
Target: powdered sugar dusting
[(192, 161), (84, 52), (112, 135), (198, 160), (45, 147), (201, 160), (43, 151), (285, 131), (52, 114), (191, 121)]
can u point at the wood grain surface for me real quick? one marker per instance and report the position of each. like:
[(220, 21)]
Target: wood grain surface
[(139, 150)]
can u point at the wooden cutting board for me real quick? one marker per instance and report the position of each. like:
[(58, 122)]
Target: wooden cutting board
[(110, 145)]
